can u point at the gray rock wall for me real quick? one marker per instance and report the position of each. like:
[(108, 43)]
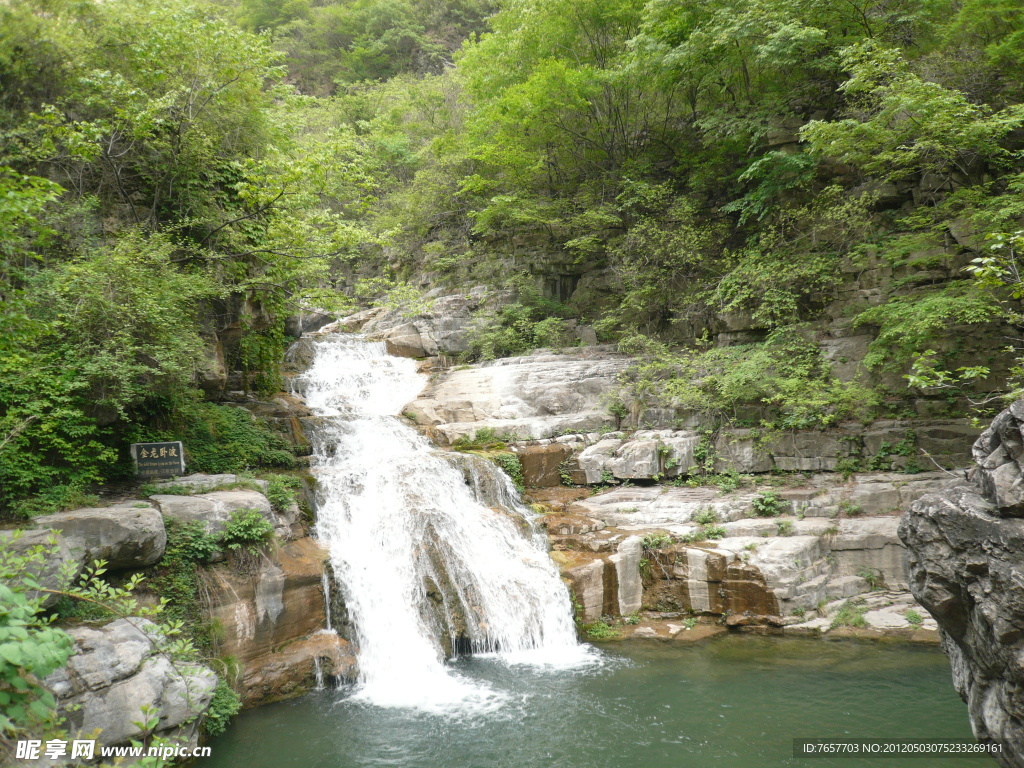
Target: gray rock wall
[(966, 556)]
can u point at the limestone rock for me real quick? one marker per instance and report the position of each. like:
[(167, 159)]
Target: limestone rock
[(736, 449), (294, 669), (441, 329), (264, 613), (115, 672), (129, 535), (213, 510), (50, 574), (965, 566), (197, 483), (998, 453), (532, 397)]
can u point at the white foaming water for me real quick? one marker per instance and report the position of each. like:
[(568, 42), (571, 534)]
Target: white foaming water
[(418, 555)]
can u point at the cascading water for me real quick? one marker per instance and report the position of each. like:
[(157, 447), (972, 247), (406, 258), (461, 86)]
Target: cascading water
[(419, 557)]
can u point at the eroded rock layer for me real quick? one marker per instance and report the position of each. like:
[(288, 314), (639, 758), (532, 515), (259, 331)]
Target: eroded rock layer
[(966, 558)]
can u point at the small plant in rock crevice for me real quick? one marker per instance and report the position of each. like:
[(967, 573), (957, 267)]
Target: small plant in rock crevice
[(511, 466), (706, 517), (851, 614), (767, 504), (246, 528), (600, 630), (873, 577)]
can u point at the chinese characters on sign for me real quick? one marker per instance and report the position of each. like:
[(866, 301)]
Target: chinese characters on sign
[(154, 460)]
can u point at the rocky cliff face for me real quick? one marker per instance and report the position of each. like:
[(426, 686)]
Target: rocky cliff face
[(966, 562)]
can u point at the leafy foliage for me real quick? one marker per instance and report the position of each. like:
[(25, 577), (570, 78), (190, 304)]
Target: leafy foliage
[(30, 647), (246, 528), (785, 376), (224, 705), (767, 504)]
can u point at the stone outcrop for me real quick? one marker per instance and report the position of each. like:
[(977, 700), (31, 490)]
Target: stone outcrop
[(271, 621), (568, 398), (655, 454), (214, 509), (777, 570), (537, 396), (967, 568), (441, 328), (999, 453), (127, 535), (54, 572), (115, 672)]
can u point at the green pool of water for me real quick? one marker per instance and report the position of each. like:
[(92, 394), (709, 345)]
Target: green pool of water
[(733, 702)]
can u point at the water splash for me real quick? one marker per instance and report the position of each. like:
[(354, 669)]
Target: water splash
[(424, 563), (318, 674)]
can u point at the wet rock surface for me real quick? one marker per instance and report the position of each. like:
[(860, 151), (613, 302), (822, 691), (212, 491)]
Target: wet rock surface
[(265, 613)]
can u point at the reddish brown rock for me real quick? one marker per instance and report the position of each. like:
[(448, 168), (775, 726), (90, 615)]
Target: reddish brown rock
[(263, 612), (569, 525), (541, 464), (292, 670)]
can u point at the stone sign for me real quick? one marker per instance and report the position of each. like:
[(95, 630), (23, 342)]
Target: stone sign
[(158, 459)]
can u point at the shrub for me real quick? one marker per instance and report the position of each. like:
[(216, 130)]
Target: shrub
[(510, 464), (706, 517), (784, 527), (281, 491), (600, 630), (246, 528), (767, 504), (873, 577), (657, 540), (711, 532), (221, 438), (223, 706), (486, 439), (914, 618), (851, 614), (849, 509)]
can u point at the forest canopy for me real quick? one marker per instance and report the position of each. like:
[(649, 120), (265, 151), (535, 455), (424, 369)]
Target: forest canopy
[(172, 168)]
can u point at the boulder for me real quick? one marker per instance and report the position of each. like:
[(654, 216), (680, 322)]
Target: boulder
[(265, 612), (60, 567), (965, 569), (532, 397), (116, 671), (998, 453), (542, 464), (442, 328), (197, 483), (128, 535), (637, 459), (739, 451), (299, 667), (213, 510)]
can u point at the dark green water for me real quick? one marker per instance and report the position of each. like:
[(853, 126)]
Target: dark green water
[(733, 702)]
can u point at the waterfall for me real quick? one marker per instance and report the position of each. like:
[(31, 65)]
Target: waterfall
[(424, 564), (326, 582)]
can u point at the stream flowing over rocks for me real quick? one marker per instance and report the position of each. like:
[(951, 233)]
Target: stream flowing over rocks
[(431, 557), (966, 550)]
